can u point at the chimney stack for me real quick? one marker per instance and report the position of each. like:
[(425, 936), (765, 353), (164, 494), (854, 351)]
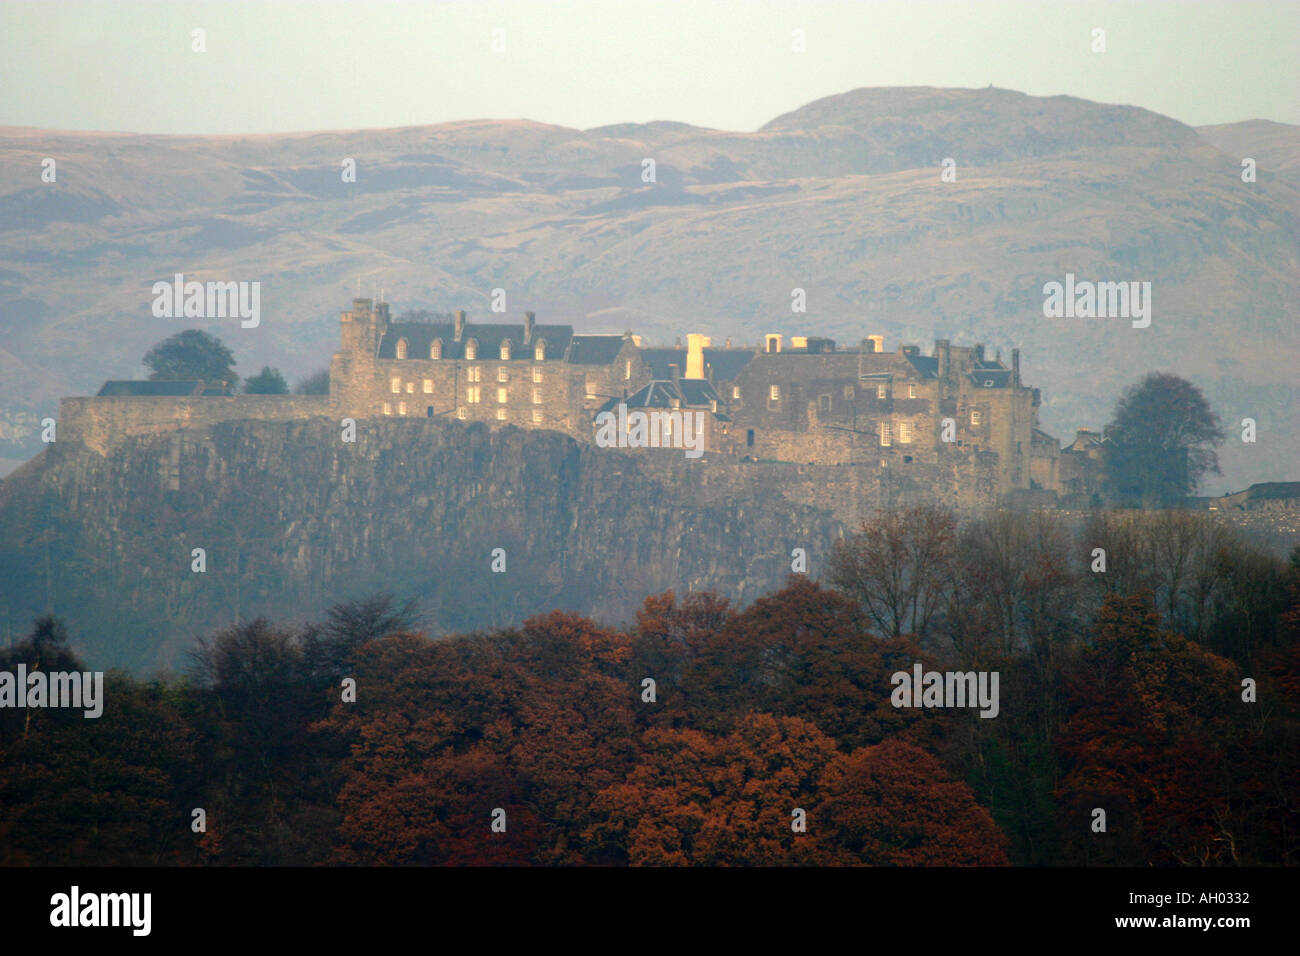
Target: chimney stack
[(675, 372), (877, 342), (528, 327), (1015, 368), (694, 355), (460, 324), (943, 351), (772, 342)]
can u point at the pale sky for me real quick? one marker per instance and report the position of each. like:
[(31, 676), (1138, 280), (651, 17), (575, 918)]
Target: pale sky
[(280, 66)]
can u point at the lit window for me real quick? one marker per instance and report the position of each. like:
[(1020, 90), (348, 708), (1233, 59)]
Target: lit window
[(539, 351), (401, 348), (975, 416), (435, 350), (886, 434), (881, 392), (627, 369), (462, 412), (501, 414), (537, 396), (502, 395), (503, 374), (911, 391), (904, 433), (774, 393), (537, 416), (735, 391), (472, 394), (471, 350), (401, 408), (396, 385), (428, 386), (410, 388), (475, 373), (537, 376), (591, 388), (505, 351), (388, 409)]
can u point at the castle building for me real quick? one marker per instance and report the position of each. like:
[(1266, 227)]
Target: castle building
[(956, 413)]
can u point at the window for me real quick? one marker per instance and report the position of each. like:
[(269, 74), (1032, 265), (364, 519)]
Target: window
[(388, 409), (401, 408), (627, 369), (471, 350), (395, 385), (735, 392), (503, 374), (475, 373), (848, 393), (428, 386), (505, 351), (537, 376), (881, 392), (429, 411), (537, 416), (975, 416), (749, 438), (911, 391), (401, 348), (905, 433), (410, 388), (537, 396), (539, 351), (774, 393), (472, 394), (501, 414), (502, 396), (886, 434), (823, 403), (435, 350), (591, 388), (462, 413)]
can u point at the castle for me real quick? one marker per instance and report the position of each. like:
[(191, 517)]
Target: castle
[(956, 417)]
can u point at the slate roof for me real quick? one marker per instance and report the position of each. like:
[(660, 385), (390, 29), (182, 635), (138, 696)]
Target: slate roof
[(690, 393), (726, 363), (420, 335), (595, 349), (927, 366), (161, 389), (996, 377)]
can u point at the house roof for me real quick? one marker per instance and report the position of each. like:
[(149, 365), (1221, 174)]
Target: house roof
[(594, 349), (420, 336), (726, 363), (927, 366), (694, 393), (995, 377)]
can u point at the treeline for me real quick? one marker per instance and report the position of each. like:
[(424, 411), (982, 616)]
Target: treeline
[(709, 735)]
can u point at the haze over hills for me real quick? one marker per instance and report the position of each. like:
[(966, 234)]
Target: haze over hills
[(841, 198)]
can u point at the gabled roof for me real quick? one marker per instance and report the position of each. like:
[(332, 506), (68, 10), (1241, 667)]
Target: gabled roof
[(420, 335), (726, 364), (161, 389), (927, 366), (694, 393)]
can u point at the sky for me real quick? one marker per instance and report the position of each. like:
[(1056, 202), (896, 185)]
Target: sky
[(285, 67)]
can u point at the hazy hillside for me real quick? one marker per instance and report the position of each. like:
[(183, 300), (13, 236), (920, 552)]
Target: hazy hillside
[(841, 198)]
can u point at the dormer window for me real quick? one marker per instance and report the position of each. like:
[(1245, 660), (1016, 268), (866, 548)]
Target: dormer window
[(539, 351), (505, 351), (401, 348), (471, 350), (435, 350)]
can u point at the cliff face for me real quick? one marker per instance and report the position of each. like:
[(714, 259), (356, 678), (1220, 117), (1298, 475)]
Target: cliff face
[(292, 519)]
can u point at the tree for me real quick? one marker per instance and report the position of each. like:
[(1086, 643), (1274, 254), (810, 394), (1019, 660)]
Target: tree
[(898, 567), (269, 381), (191, 355), (316, 384), (1163, 434)]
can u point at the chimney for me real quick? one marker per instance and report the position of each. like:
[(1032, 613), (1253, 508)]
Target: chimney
[(528, 327), (877, 342), (1015, 368), (978, 353), (675, 372), (460, 324), (636, 340), (943, 351), (694, 355), (772, 342), (728, 341)]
